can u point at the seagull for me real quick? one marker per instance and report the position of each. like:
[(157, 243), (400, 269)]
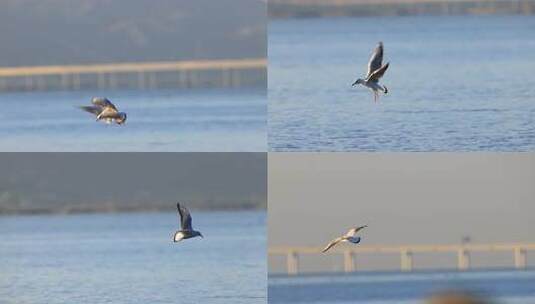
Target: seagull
[(187, 231), (104, 109), (350, 236), (375, 71)]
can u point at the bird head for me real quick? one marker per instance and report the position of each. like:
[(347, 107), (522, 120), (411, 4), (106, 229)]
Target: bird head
[(122, 118), (358, 81)]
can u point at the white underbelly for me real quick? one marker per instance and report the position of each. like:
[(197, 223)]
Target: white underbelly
[(178, 236), (374, 86)]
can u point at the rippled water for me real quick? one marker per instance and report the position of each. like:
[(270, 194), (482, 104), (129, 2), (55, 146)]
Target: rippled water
[(506, 286), (130, 258), (456, 84), (162, 120)]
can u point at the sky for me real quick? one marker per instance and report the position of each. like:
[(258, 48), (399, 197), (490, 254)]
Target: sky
[(415, 198), (44, 181), (63, 32)]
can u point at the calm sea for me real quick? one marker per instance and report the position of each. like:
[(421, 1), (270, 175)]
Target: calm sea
[(161, 120), (456, 84), (130, 258), (506, 287)]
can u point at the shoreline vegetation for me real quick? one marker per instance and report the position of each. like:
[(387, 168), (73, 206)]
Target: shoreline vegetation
[(35, 209), (280, 9)]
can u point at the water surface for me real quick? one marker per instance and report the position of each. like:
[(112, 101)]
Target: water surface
[(130, 258), (456, 84), (506, 286), (216, 120)]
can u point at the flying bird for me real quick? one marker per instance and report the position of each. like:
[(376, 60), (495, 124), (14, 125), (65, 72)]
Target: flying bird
[(186, 231), (376, 70), (350, 236), (105, 110)]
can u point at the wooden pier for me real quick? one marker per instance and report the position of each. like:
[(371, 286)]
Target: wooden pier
[(141, 75), (406, 254)]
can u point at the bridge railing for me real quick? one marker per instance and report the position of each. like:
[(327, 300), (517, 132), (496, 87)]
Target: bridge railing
[(405, 252), (106, 75)]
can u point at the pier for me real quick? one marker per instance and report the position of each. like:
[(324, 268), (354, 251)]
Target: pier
[(406, 254), (139, 75)]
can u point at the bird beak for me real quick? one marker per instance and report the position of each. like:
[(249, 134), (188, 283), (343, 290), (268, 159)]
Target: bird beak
[(354, 83)]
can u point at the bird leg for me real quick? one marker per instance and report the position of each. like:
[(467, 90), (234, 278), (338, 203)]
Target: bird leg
[(375, 96)]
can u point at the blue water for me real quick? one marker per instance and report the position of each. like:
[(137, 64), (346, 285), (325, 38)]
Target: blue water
[(456, 84), (388, 288), (130, 258), (162, 120)]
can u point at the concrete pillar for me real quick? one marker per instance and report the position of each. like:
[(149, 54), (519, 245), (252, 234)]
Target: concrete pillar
[(463, 259), (349, 261), (3, 84), (28, 81), (225, 78), (41, 85), (406, 260), (520, 256), (235, 78), (64, 81), (152, 80), (193, 81), (101, 80), (182, 79), (76, 83), (141, 83), (293, 263), (112, 80)]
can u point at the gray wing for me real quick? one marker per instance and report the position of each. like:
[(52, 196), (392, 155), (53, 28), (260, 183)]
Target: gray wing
[(185, 217), (92, 109), (332, 243), (375, 76), (354, 231), (103, 102), (376, 60)]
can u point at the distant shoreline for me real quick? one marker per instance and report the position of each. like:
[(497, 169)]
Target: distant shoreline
[(365, 8), (110, 209), (121, 210)]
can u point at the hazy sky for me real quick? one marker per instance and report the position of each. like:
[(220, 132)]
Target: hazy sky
[(404, 198), (197, 179), (50, 32)]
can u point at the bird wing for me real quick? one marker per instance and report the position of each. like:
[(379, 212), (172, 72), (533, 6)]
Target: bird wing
[(376, 60), (92, 109), (109, 113), (332, 243), (104, 103), (354, 231), (375, 76), (185, 217)]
